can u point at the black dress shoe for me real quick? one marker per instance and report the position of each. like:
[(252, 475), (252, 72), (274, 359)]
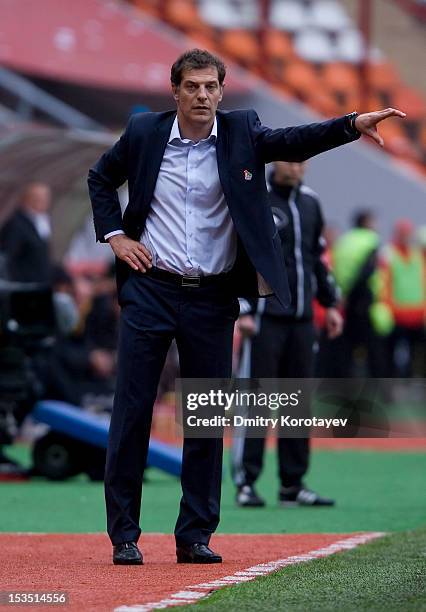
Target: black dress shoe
[(127, 554), (196, 553)]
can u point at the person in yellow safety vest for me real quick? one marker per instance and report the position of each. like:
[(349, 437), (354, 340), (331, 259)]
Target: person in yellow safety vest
[(404, 290), (367, 320)]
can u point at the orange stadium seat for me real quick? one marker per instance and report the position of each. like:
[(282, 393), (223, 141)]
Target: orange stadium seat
[(397, 142), (301, 77), (278, 50), (410, 102), (242, 46), (349, 103), (341, 79), (323, 102), (362, 104), (202, 40), (383, 77), (278, 46), (183, 14)]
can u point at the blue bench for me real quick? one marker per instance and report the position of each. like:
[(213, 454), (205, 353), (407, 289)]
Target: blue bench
[(93, 429)]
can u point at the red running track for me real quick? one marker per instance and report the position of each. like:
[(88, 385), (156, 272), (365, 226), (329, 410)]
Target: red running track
[(81, 565)]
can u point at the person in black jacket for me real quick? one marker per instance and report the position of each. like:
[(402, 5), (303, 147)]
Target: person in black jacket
[(279, 341), (25, 237)]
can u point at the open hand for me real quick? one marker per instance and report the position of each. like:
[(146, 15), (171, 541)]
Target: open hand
[(366, 122), (135, 254)]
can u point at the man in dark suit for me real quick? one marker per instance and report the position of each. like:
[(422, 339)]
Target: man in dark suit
[(197, 232), (25, 237)]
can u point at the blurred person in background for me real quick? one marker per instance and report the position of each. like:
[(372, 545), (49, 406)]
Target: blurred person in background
[(367, 320), (25, 237), (405, 293), (324, 353), (82, 363), (101, 326), (279, 342), (421, 240)]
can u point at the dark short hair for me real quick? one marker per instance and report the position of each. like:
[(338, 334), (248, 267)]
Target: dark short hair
[(362, 217), (196, 59)]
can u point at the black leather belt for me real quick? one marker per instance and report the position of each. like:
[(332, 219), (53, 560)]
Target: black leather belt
[(189, 280)]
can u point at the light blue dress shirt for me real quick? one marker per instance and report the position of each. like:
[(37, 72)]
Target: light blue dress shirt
[(189, 229)]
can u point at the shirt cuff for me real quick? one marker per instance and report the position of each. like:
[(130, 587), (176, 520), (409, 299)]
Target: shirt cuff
[(114, 233)]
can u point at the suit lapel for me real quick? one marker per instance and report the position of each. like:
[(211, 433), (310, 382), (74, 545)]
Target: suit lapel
[(222, 155), (156, 146)]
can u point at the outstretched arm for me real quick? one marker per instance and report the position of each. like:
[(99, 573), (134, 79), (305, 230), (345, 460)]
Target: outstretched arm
[(299, 143)]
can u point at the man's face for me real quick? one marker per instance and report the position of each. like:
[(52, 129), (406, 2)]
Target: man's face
[(198, 95), (404, 233), (288, 173), (37, 198)]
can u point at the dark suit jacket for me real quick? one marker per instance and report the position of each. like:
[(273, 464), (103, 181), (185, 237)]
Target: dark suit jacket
[(243, 144), (27, 254)]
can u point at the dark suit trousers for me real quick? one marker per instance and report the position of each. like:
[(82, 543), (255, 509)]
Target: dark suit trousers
[(202, 321)]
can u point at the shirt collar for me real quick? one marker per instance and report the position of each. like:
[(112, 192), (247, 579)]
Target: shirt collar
[(175, 133)]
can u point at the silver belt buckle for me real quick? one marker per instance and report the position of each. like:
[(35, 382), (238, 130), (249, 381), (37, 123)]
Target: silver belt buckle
[(191, 281)]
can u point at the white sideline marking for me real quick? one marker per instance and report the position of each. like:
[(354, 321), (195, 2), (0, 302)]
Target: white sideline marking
[(193, 592)]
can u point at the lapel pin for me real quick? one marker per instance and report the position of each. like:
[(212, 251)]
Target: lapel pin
[(248, 175)]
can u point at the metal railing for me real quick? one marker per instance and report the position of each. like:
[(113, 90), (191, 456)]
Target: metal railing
[(28, 98)]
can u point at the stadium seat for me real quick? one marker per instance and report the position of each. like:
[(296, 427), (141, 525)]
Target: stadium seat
[(314, 46), (288, 15), (183, 14), (343, 81), (203, 40), (327, 15), (410, 102), (249, 12), (349, 103), (223, 14), (340, 78), (383, 77), (397, 142), (373, 102), (323, 102), (301, 77), (278, 46), (242, 46), (279, 51), (349, 46)]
